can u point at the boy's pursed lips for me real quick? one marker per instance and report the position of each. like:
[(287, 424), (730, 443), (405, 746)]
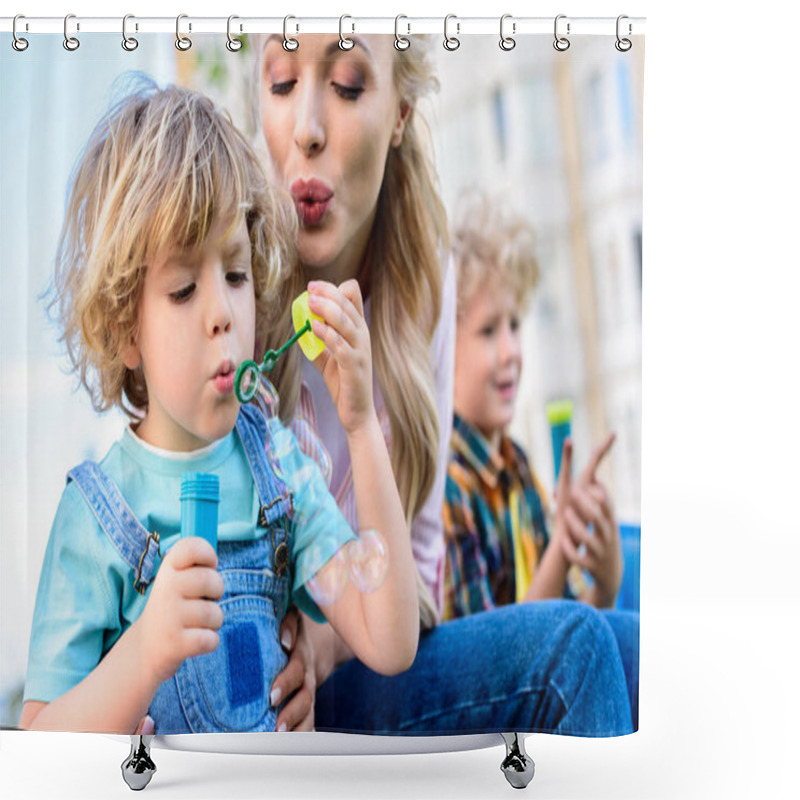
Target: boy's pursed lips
[(224, 377)]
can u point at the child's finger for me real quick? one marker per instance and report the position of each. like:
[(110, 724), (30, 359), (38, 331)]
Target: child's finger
[(190, 552), (199, 641), (601, 496), (201, 582), (583, 503), (592, 513), (571, 553), (202, 614), (579, 534), (597, 456)]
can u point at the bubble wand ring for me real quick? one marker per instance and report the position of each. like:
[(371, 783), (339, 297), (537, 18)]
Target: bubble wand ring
[(246, 381)]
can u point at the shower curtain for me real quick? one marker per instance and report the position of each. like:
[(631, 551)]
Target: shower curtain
[(535, 152)]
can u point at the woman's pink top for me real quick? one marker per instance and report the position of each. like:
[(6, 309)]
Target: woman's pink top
[(317, 408)]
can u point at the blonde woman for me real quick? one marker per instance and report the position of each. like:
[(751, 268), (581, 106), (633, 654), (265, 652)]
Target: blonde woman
[(345, 139)]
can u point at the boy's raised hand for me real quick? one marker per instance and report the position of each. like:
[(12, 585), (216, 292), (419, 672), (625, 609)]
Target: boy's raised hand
[(583, 503), (346, 364), (181, 617)]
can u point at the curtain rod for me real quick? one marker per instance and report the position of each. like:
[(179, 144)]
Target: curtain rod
[(406, 25)]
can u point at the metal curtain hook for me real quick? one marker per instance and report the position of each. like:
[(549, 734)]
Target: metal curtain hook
[(507, 42), (289, 44), (561, 43), (18, 43), (233, 44), (181, 42), (623, 45), (451, 42), (128, 42), (400, 42), (344, 42), (70, 42)]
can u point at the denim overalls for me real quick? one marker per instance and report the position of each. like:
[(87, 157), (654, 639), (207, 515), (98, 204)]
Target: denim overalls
[(227, 690)]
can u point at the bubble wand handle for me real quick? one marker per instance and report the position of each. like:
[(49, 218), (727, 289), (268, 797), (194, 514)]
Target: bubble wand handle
[(246, 382)]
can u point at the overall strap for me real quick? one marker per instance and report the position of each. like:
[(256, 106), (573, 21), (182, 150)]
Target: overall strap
[(137, 547), (273, 493)]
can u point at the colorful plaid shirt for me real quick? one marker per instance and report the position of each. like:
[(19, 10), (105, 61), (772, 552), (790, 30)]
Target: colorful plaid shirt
[(496, 524)]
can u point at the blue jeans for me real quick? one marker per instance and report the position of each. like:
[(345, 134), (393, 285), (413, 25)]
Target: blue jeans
[(549, 667), (625, 625)]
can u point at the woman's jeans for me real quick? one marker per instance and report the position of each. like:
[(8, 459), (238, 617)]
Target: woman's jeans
[(550, 666), (625, 625)]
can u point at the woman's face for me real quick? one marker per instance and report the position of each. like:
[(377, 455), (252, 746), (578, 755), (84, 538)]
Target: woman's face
[(329, 118)]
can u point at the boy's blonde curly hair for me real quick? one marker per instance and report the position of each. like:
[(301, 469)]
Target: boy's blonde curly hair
[(489, 241), (159, 170)]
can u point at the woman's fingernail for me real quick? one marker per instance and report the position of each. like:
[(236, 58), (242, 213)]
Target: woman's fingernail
[(149, 726), (286, 640), (275, 697), (282, 728)]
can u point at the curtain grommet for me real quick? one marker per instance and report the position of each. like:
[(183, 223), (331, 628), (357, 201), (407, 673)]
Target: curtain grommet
[(561, 43), (451, 43), (71, 43)]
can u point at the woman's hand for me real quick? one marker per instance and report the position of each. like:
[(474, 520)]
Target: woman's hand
[(581, 504), (346, 364), (298, 680)]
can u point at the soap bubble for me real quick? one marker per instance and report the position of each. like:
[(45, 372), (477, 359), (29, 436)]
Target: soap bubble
[(368, 561), (268, 396), (329, 581)]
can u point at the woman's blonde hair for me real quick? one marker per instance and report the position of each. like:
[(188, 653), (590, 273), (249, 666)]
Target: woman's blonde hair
[(159, 170), (490, 241), (404, 256)]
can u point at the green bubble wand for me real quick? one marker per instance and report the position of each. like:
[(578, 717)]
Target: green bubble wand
[(246, 382)]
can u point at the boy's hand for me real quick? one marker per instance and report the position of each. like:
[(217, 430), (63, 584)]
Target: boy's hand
[(181, 619), (346, 364), (587, 502)]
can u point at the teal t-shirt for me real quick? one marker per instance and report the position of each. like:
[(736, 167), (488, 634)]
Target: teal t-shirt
[(86, 599)]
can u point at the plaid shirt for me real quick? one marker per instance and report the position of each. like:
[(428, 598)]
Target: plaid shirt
[(496, 524)]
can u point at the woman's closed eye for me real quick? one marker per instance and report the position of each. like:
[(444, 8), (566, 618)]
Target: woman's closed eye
[(282, 87), (347, 92)]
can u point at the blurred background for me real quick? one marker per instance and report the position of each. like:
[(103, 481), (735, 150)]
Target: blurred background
[(558, 135)]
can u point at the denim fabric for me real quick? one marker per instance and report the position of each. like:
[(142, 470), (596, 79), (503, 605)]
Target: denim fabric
[(625, 625), (228, 690), (550, 667)]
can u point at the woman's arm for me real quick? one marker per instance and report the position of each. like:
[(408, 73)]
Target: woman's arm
[(381, 627)]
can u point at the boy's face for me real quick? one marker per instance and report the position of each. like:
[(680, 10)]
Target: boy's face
[(196, 324), (488, 359)]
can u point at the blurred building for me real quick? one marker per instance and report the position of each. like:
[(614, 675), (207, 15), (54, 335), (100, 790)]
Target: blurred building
[(559, 137)]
